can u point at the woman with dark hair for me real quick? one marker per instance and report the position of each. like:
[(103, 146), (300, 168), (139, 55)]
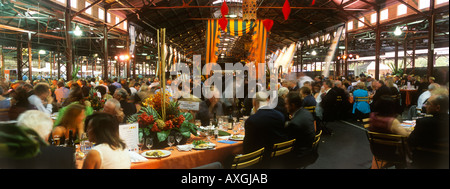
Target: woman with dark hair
[(19, 101), (384, 119), (109, 151)]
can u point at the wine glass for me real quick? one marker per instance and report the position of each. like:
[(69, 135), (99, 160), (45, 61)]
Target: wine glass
[(178, 137), (198, 122), (208, 135), (170, 141), (149, 143)]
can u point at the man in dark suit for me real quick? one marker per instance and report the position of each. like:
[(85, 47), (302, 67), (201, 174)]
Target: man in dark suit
[(334, 103), (301, 125), (431, 133), (264, 128)]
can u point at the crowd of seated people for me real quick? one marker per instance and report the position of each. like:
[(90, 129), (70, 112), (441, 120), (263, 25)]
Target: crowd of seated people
[(332, 99)]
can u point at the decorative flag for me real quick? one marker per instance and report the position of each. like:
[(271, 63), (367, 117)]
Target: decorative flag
[(224, 8), (223, 22), (268, 23), (286, 10)]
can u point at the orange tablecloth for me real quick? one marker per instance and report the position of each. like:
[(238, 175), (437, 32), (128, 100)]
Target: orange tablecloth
[(408, 95), (194, 158)]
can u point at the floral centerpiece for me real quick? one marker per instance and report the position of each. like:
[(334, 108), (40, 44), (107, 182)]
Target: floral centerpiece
[(96, 101), (152, 123)]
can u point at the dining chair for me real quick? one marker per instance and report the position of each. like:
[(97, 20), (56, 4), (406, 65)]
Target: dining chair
[(389, 149), (434, 156), (246, 160), (280, 155), (366, 122), (311, 109), (282, 148), (315, 144), (362, 99)]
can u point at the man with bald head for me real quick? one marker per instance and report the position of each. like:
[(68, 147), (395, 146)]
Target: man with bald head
[(264, 128), (431, 132)]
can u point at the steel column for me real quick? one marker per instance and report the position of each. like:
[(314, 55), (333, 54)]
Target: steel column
[(105, 47), (346, 51), (431, 27), (377, 46), (69, 53), (30, 58), (396, 54)]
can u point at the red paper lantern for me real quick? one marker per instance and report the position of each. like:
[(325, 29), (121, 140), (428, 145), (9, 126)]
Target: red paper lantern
[(224, 8), (286, 10), (223, 22), (268, 23), (313, 2)]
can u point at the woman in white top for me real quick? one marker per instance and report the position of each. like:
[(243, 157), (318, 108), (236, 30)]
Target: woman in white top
[(110, 151)]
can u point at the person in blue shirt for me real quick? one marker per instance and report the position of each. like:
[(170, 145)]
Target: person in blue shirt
[(361, 109), (24, 77)]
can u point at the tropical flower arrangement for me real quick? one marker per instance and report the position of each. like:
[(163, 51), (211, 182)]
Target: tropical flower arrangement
[(151, 121), (96, 101)]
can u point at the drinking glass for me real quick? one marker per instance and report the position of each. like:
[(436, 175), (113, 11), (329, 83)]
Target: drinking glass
[(178, 137), (235, 129), (83, 142), (149, 143), (198, 122), (170, 141), (208, 135), (56, 139)]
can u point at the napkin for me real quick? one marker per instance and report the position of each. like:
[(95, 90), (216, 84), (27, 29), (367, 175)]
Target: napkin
[(186, 147), (227, 141), (135, 157)]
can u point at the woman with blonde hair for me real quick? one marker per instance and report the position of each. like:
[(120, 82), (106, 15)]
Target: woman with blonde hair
[(73, 119)]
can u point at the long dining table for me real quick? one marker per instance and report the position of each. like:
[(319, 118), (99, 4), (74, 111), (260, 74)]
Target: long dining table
[(223, 153)]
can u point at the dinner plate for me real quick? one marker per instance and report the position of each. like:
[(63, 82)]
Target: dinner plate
[(210, 146), (166, 153), (238, 137)]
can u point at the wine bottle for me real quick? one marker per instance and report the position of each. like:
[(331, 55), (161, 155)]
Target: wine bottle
[(230, 122), (50, 140), (71, 142), (62, 140), (215, 122)]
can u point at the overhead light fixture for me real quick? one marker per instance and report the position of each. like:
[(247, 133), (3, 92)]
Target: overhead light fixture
[(397, 31), (120, 46), (314, 53), (41, 51), (77, 31), (144, 54)]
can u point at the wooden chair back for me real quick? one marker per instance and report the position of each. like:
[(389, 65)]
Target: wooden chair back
[(246, 160)]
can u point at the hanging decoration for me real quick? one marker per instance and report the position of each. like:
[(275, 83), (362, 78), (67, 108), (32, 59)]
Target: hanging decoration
[(224, 9), (286, 10), (268, 23), (249, 10), (223, 22), (313, 2)]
